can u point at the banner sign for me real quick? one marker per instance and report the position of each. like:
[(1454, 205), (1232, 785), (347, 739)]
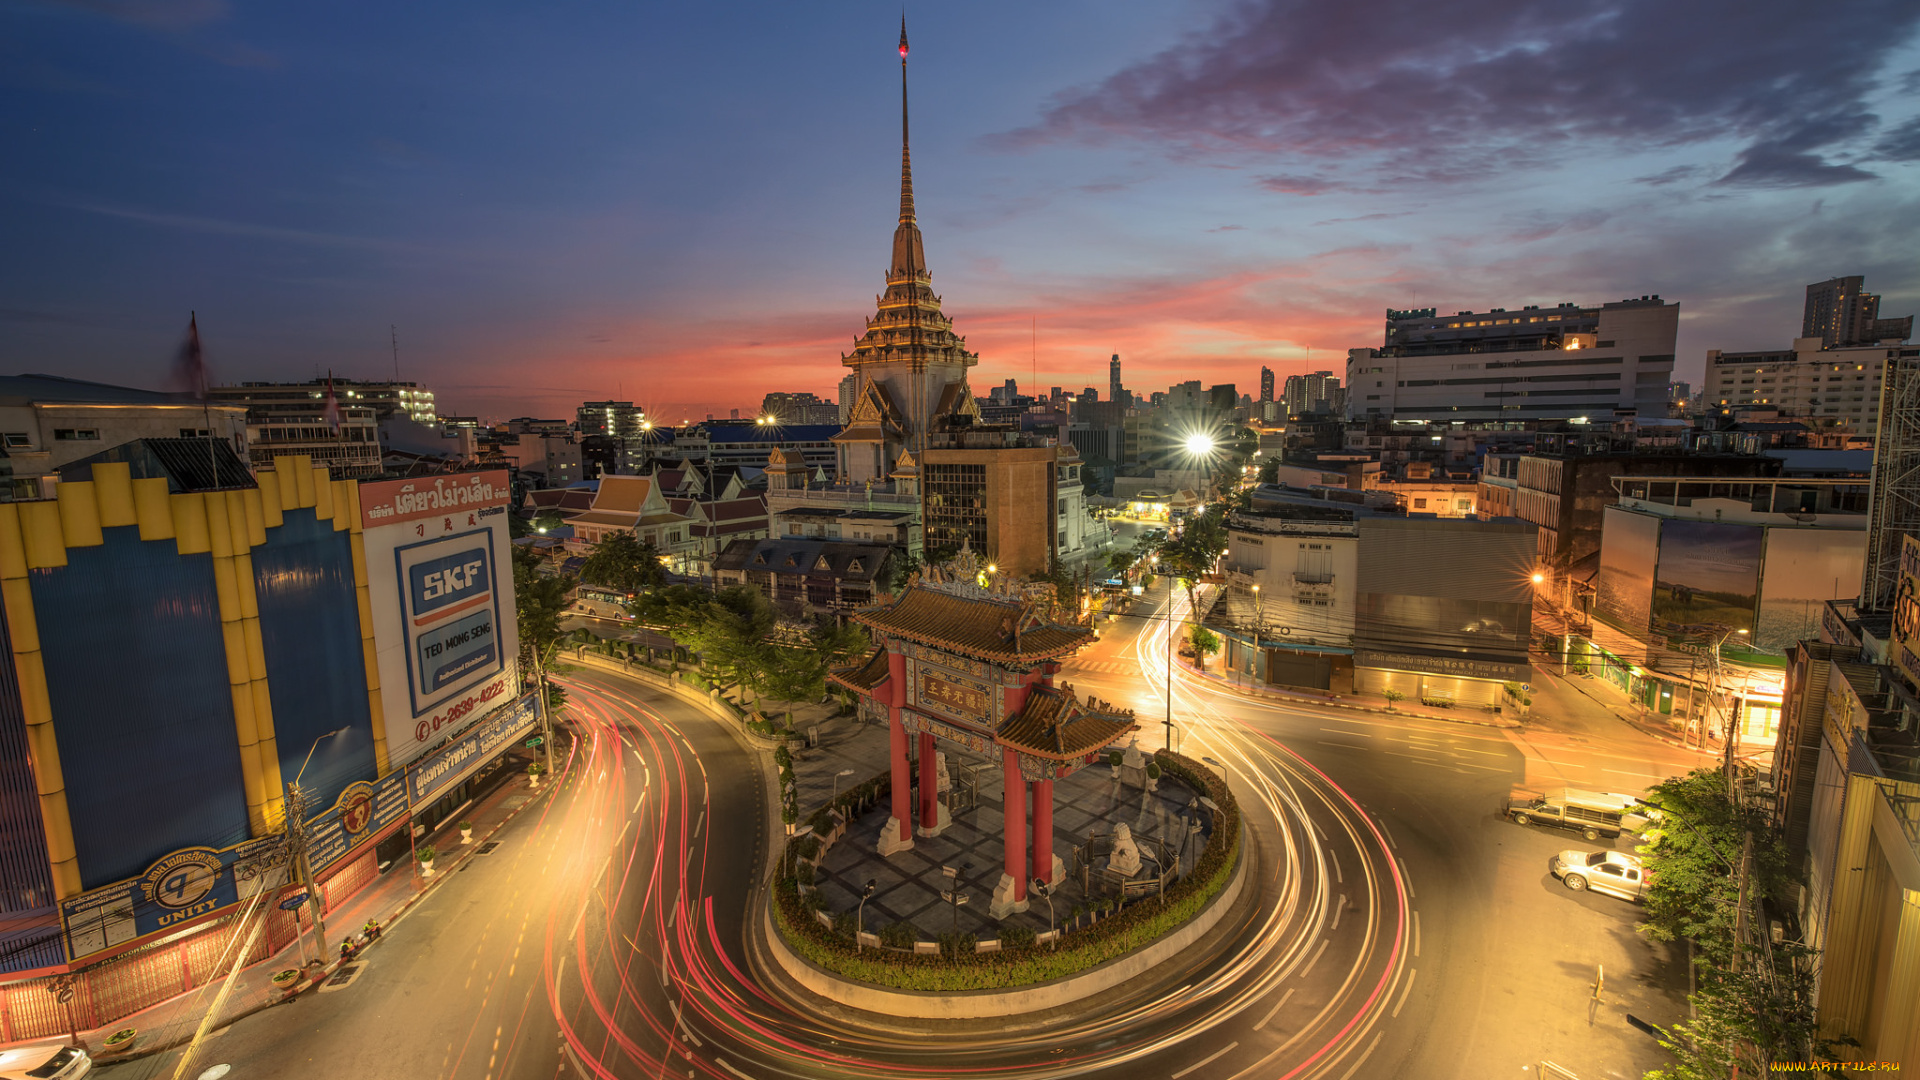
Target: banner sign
[(462, 757), (440, 584), (178, 888), (1442, 665), (363, 811)]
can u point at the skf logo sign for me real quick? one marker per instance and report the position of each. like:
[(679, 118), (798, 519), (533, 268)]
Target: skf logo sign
[(454, 579), (183, 878)]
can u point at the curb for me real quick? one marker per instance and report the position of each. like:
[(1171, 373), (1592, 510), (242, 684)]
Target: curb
[(312, 984), (1296, 699)]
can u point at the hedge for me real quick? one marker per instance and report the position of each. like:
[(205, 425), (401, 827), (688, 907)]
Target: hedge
[(1133, 927)]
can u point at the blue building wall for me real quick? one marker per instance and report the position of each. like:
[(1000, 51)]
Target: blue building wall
[(30, 937), (137, 675), (316, 672)]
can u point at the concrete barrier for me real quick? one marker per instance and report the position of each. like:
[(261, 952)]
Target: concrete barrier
[(977, 1004)]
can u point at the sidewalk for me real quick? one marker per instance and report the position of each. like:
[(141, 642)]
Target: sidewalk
[(1467, 714), (387, 901)]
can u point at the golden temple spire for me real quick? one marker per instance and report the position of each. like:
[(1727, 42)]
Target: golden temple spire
[(909, 252)]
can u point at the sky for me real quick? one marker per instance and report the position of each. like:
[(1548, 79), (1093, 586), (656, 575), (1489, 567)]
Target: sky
[(689, 205)]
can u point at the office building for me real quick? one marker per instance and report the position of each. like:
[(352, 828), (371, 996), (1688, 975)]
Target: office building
[(1559, 363), (611, 419), (1309, 393), (1114, 388), (408, 400), (849, 388), (799, 408), (1821, 387), (47, 422), (1266, 384)]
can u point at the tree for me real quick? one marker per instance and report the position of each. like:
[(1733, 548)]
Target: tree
[(1192, 555), (543, 522), (539, 600), (1205, 643), (799, 673), (623, 562), (1692, 854)]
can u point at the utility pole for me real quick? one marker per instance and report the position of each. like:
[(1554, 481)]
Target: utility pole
[(297, 841)]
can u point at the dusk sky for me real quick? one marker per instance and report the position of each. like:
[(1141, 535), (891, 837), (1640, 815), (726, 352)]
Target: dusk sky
[(689, 205)]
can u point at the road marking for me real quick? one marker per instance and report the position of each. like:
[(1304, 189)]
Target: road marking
[(725, 1065), (1337, 910), (1407, 878), (1337, 731), (1308, 970), (1208, 1060), (1276, 1008), (1338, 876), (1416, 933), (702, 823), (1395, 844), (1404, 991), (1348, 1075), (1343, 745)]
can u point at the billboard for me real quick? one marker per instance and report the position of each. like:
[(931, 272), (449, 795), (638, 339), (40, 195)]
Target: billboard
[(363, 811), (1623, 589), (463, 756), (440, 584), (180, 887), (1805, 568), (1905, 651), (1708, 573)]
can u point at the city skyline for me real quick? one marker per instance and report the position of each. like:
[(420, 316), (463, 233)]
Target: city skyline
[(1175, 186)]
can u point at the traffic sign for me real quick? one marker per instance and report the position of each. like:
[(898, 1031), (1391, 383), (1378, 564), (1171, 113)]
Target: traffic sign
[(292, 903), (536, 741)]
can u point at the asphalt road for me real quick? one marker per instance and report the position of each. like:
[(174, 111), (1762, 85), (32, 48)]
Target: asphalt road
[(1400, 927)]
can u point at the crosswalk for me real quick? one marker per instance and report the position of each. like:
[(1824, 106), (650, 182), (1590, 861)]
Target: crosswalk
[(1104, 667)]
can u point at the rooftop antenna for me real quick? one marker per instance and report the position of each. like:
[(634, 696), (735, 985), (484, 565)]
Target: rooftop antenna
[(393, 335)]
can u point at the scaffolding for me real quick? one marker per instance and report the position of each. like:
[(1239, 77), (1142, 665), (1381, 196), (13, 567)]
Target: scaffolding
[(1894, 507)]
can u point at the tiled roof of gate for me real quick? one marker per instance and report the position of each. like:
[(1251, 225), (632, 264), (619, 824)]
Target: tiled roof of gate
[(1055, 724), (979, 628), (864, 676)]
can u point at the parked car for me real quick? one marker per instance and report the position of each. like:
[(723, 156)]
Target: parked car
[(1615, 873), (1592, 814), (44, 1063)]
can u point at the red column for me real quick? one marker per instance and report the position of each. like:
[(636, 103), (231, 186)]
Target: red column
[(1043, 830), (902, 774), (929, 783), (1016, 825)]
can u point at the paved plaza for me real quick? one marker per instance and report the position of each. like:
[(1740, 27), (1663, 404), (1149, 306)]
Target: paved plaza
[(908, 885)]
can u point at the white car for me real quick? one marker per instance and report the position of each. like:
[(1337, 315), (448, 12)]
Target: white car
[(44, 1063), (1615, 873)]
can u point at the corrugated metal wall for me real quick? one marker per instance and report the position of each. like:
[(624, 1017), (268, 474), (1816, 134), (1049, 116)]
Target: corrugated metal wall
[(137, 673), (26, 885), (316, 674)]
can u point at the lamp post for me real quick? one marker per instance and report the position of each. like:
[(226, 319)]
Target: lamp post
[(1259, 620), (1045, 891), (953, 894), (297, 839), (860, 915), (836, 782), (1731, 736)]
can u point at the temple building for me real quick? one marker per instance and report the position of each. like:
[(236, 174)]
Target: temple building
[(969, 667), (915, 439)]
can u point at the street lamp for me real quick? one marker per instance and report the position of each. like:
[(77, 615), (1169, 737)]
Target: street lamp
[(953, 895), (860, 914), (297, 839), (1044, 891), (836, 782)]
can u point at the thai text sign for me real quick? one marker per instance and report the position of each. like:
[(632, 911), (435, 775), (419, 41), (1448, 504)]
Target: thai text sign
[(463, 756), (1441, 665), (362, 812), (1906, 611)]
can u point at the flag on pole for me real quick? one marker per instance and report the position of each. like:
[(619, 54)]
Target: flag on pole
[(190, 365), (333, 406)]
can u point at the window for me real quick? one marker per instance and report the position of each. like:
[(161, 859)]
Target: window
[(1419, 504), (76, 434), (18, 439), (194, 433)]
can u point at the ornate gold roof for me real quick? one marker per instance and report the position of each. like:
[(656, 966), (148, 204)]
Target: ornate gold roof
[(1055, 724), (999, 630)]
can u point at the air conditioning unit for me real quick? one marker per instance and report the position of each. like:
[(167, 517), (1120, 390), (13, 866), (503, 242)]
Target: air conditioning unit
[(1776, 933)]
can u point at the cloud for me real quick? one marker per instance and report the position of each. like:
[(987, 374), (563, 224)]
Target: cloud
[(1440, 93), (1228, 228), (1770, 165), (1669, 176), (1901, 143), (1382, 216), (221, 227)]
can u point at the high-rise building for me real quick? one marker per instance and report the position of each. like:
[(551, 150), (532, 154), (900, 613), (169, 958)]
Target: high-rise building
[(387, 399), (1266, 384), (1310, 393), (1113, 378), (800, 407), (849, 388), (1559, 363), (613, 419), (1840, 311)]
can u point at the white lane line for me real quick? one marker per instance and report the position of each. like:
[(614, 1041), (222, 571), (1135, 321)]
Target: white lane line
[(1390, 839), (1338, 876), (701, 824), (1348, 1075), (1208, 1060), (1416, 933), (1337, 910), (1404, 991), (1343, 745), (1337, 731), (729, 1067), (1407, 879), (1276, 1008), (1308, 970)]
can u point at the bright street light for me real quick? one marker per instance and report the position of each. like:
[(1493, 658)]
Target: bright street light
[(1200, 445)]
